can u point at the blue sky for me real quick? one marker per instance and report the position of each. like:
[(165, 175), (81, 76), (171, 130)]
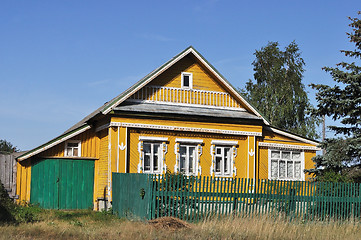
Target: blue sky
[(60, 60)]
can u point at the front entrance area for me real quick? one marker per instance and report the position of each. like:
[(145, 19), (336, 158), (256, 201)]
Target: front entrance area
[(62, 183)]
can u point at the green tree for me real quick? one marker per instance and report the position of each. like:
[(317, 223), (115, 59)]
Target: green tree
[(278, 91), (342, 102), (7, 147)]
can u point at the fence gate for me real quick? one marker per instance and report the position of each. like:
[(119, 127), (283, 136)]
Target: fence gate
[(132, 195)]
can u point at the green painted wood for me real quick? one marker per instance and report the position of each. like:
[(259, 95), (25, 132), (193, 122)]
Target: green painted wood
[(132, 194), (193, 199), (62, 183)]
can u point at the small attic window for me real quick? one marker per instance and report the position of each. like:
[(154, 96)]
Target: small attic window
[(187, 80), (72, 148)]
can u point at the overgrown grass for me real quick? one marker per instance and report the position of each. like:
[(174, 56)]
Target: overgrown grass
[(87, 224)]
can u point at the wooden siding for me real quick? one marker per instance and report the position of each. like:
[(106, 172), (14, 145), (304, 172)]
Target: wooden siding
[(101, 167), (190, 124), (271, 137), (8, 169), (23, 180), (202, 80), (206, 89), (205, 159), (89, 146)]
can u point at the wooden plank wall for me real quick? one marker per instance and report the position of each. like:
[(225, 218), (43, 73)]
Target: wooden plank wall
[(8, 173)]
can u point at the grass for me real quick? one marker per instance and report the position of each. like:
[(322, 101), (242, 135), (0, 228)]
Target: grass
[(53, 224)]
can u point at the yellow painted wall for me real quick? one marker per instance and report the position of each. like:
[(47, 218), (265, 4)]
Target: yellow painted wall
[(205, 159), (271, 137), (201, 79), (101, 167), (23, 181), (89, 146), (190, 124)]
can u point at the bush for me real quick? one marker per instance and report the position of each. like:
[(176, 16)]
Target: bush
[(6, 207)]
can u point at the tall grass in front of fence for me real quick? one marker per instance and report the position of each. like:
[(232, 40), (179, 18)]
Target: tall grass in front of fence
[(196, 198)]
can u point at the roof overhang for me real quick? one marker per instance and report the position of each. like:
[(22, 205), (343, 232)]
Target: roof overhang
[(293, 136), (190, 50), (54, 142)]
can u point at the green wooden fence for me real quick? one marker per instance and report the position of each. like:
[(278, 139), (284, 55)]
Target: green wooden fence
[(195, 198)]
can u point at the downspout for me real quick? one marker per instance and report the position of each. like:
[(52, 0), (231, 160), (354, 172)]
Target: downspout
[(109, 162), (118, 152), (126, 149), (248, 158)]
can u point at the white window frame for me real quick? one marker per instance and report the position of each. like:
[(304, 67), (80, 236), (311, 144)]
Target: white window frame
[(197, 144), (186, 159), (222, 172), (190, 80), (66, 148), (162, 141), (151, 157), (222, 144), (302, 160)]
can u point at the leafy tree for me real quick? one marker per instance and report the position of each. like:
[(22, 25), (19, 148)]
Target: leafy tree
[(7, 147), (342, 102), (278, 91)]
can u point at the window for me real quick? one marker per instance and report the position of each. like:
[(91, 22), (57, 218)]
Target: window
[(152, 157), (152, 152), (223, 154), (187, 159), (188, 153), (222, 161), (286, 165), (72, 148), (187, 80)]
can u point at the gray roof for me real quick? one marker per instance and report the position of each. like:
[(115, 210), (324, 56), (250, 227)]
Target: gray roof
[(200, 111)]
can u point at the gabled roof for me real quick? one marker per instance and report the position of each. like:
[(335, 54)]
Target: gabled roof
[(147, 79), (112, 104)]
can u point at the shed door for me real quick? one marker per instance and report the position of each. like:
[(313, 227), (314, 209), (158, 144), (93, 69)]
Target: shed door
[(62, 183)]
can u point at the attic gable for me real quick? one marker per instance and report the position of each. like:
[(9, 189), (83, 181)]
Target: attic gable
[(202, 89), (210, 88)]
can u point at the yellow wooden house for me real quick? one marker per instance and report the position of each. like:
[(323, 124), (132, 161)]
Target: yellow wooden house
[(182, 117)]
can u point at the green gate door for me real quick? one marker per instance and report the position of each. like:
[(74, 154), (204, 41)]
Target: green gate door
[(62, 183), (132, 195)]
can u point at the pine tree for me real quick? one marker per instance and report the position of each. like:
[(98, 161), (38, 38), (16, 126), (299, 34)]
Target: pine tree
[(7, 147), (278, 91), (342, 102)]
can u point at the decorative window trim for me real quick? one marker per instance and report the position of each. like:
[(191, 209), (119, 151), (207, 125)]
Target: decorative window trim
[(153, 139), (224, 142), (233, 155), (163, 149), (195, 142), (72, 141), (302, 160), (191, 141), (288, 146), (190, 75)]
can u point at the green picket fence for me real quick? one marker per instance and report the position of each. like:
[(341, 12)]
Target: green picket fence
[(196, 198)]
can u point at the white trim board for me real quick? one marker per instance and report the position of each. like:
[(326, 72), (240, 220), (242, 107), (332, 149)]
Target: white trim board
[(290, 135), (288, 146), (156, 74), (153, 139), (186, 140), (224, 142), (54, 143), (171, 63), (185, 129), (240, 109)]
